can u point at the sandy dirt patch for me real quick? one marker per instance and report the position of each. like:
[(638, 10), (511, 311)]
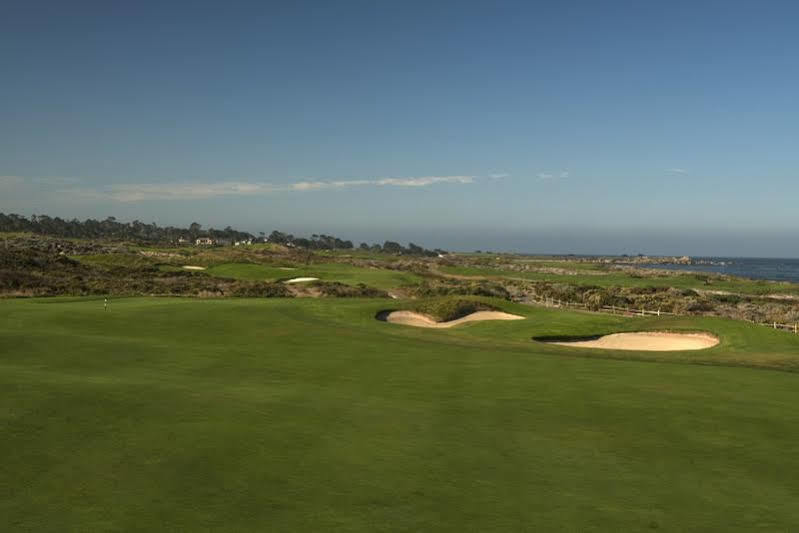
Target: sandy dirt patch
[(192, 267), (782, 296), (300, 280), (654, 341), (287, 268), (409, 318)]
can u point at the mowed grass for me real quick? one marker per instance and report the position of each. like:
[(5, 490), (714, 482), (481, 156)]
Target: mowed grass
[(310, 415), (343, 273)]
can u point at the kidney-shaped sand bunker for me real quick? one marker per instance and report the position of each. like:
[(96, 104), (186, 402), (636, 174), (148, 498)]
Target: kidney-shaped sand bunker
[(654, 341)]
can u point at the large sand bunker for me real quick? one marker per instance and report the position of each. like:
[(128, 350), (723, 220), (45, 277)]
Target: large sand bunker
[(409, 318), (193, 267), (654, 341)]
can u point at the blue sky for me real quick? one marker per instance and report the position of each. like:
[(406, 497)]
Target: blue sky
[(585, 127)]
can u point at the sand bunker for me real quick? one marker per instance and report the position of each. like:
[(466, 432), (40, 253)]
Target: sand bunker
[(409, 318), (655, 341), (300, 280), (190, 267), (287, 268)]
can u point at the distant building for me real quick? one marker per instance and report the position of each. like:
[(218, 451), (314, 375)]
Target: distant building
[(182, 240), (205, 241)]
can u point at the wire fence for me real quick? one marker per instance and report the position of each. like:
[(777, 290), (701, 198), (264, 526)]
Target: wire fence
[(642, 312)]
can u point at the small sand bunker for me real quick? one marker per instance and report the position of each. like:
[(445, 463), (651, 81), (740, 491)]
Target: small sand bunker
[(654, 341), (191, 267), (300, 280), (287, 268), (409, 318)]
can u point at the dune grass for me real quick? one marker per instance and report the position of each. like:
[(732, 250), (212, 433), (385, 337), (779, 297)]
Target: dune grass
[(293, 415), (116, 260), (624, 279)]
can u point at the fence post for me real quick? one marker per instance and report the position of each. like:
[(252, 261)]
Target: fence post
[(642, 312), (775, 325), (658, 312)]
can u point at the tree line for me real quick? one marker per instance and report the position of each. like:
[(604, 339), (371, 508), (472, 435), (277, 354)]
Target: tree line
[(328, 242), (111, 228)]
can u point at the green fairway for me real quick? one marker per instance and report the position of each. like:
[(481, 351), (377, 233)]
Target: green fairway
[(310, 415), (341, 272)]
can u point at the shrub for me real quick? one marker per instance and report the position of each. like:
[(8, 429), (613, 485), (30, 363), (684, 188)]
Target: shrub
[(446, 287), (448, 309), (340, 290)]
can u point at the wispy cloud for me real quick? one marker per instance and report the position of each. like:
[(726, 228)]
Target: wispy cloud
[(563, 174), (677, 170), (82, 190), (56, 181), (193, 191)]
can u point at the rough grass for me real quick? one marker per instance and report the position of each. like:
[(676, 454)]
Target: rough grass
[(309, 415)]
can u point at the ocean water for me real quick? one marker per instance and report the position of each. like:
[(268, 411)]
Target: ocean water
[(747, 267)]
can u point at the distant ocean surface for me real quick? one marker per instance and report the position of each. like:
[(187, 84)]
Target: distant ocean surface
[(747, 267)]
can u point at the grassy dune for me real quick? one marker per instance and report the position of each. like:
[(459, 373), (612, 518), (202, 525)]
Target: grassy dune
[(290, 415)]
